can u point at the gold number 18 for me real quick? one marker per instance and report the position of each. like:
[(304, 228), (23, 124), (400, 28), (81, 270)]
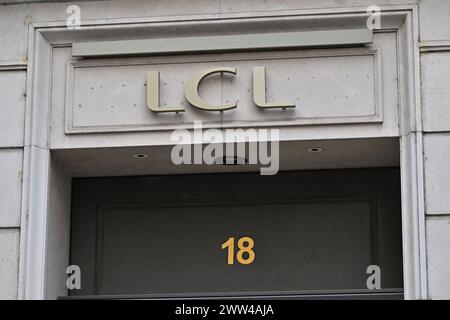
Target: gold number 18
[(245, 245)]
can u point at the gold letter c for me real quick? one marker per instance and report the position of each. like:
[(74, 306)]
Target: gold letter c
[(193, 97)]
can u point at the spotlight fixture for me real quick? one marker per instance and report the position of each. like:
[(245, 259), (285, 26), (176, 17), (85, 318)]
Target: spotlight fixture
[(314, 149), (140, 155)]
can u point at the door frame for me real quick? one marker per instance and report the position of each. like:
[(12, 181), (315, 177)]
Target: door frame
[(38, 165)]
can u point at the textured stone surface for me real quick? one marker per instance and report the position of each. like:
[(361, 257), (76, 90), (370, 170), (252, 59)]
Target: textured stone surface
[(10, 187), (12, 107), (438, 239), (437, 173), (9, 263), (435, 74), (434, 20)]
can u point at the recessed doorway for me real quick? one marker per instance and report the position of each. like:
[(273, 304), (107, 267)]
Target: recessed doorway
[(297, 234)]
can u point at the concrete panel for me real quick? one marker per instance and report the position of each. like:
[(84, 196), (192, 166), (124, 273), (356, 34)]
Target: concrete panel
[(331, 86), (436, 91), (10, 187), (438, 257), (16, 18), (9, 263), (437, 173), (257, 5), (294, 155), (290, 3), (12, 107), (58, 138), (58, 234), (106, 98), (434, 20)]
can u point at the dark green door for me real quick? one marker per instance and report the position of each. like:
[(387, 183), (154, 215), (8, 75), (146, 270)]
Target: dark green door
[(295, 233)]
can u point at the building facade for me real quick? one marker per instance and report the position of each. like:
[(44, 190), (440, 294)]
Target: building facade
[(108, 109)]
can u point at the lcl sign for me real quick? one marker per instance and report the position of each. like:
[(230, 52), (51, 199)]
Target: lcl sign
[(193, 97)]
